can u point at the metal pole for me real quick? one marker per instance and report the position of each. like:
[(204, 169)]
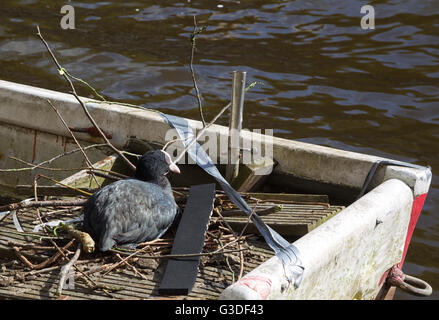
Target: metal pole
[(235, 125)]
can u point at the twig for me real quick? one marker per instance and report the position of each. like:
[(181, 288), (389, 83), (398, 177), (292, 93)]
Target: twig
[(137, 272), (69, 153), (96, 286), (28, 246), (66, 268), (262, 212), (65, 185), (39, 204), (44, 263), (33, 272), (193, 35), (34, 235), (74, 139), (62, 72), (123, 260), (104, 175), (50, 160), (249, 219), (32, 166), (87, 84), (61, 252), (188, 255), (237, 238), (201, 132), (121, 104), (218, 239)]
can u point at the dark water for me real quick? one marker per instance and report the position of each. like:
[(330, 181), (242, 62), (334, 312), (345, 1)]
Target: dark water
[(325, 80)]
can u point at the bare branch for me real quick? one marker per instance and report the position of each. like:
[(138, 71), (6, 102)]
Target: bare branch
[(193, 35), (76, 141), (62, 72)]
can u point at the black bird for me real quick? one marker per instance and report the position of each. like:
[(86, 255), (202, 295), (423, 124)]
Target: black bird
[(130, 211)]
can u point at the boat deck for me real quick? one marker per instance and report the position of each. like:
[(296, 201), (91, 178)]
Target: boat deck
[(140, 278)]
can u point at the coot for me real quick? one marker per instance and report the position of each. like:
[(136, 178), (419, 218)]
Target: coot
[(130, 211)]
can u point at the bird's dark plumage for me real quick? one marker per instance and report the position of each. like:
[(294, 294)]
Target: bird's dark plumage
[(131, 211)]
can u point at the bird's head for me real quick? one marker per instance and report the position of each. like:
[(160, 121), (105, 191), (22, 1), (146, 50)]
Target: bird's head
[(154, 164)]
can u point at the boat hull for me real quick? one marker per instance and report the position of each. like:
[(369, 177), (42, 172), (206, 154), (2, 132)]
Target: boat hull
[(347, 257)]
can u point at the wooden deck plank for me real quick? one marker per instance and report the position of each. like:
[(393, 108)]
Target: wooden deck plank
[(213, 276), (291, 219)]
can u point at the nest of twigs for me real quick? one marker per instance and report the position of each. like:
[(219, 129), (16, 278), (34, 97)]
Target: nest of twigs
[(62, 249)]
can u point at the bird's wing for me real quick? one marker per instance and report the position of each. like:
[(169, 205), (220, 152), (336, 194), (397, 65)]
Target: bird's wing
[(146, 214)]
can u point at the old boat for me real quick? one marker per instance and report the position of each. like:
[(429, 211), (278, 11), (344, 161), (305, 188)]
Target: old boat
[(347, 256)]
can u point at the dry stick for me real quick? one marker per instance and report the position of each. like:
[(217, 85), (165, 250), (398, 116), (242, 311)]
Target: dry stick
[(239, 237), (262, 212), (168, 256), (249, 219), (323, 204), (76, 141), (32, 166), (241, 254), (66, 268), (205, 127), (193, 35), (136, 272), (87, 113), (44, 263), (218, 239), (123, 260), (104, 175), (201, 132), (187, 255), (69, 153), (50, 160), (39, 204), (27, 246), (115, 174), (65, 185), (41, 220), (32, 272)]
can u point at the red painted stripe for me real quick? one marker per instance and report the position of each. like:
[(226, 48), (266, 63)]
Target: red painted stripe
[(418, 203), (260, 284)]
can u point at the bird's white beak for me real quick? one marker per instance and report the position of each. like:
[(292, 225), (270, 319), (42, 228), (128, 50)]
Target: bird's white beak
[(173, 167)]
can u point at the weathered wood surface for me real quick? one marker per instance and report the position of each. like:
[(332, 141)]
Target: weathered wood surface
[(213, 276), (291, 220), (294, 214)]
